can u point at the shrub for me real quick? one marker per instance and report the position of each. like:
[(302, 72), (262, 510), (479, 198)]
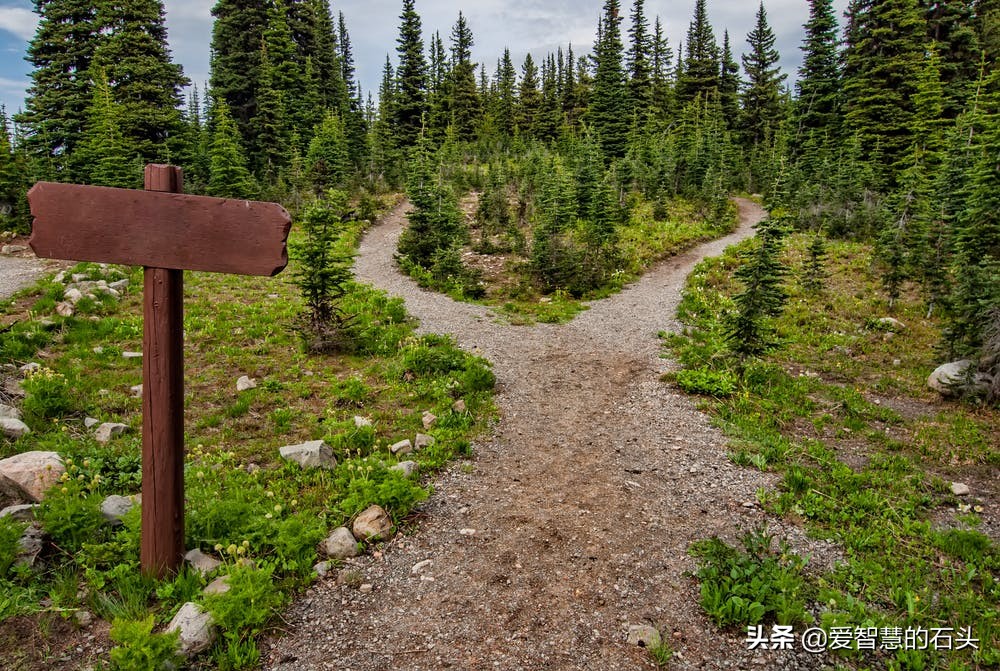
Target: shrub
[(707, 382), (140, 649), (48, 394)]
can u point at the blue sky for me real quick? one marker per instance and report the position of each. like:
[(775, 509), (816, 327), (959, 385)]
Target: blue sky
[(538, 26)]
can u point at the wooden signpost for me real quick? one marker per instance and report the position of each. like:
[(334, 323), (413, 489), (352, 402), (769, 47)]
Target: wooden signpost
[(167, 232)]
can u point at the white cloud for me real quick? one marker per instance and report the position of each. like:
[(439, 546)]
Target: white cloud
[(22, 22)]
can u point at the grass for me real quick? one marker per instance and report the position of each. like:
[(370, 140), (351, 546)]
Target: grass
[(243, 502), (865, 454)]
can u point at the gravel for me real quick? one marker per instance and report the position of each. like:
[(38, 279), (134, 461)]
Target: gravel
[(573, 520), (17, 273)]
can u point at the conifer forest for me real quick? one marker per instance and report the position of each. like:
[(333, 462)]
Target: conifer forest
[(645, 306)]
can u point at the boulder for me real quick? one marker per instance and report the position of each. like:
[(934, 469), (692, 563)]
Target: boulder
[(341, 544), (958, 378), (312, 454), (21, 513), (218, 586), (30, 474), (244, 383), (73, 295), (423, 440), (407, 468), (136, 391), (90, 422), (13, 388), (115, 507), (196, 627), (9, 412), (201, 562), (29, 368), (13, 249), (372, 524), (13, 428), (119, 285), (108, 430), (402, 447)]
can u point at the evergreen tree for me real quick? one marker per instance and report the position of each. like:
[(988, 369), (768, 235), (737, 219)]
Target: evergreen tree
[(529, 98), (287, 76), (144, 82), (410, 101), (608, 111), (329, 70), (61, 54), (700, 71), (506, 98), (13, 177), (435, 221), (230, 177), (640, 83), (814, 270), (762, 274), (729, 84), (987, 24), (762, 94), (105, 156), (465, 104), (328, 158), (549, 118), (662, 71), (273, 130), (352, 112), (237, 35), (952, 30), (818, 88)]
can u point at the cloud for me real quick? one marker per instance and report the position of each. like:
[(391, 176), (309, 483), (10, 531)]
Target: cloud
[(22, 22)]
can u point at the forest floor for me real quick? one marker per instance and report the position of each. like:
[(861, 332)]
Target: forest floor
[(570, 523)]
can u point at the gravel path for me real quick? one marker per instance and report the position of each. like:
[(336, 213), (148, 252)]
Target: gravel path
[(571, 522), (17, 273)]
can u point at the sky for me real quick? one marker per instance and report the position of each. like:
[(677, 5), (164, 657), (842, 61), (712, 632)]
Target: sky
[(536, 26)]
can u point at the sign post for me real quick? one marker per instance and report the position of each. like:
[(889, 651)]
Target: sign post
[(167, 232)]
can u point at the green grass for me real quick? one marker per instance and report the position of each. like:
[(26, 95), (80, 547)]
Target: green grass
[(865, 454), (243, 502)]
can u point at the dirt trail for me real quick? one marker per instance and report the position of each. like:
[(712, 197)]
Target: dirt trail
[(583, 504)]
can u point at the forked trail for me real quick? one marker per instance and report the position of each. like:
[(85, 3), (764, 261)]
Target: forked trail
[(571, 522)]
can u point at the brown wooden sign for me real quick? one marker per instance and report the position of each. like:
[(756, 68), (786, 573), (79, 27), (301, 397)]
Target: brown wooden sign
[(166, 232)]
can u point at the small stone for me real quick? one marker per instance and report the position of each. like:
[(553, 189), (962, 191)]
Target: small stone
[(372, 524), (366, 588), (13, 388), (73, 295), (30, 545), (108, 430), (323, 568), (897, 362), (20, 513), (84, 618), (420, 566), (312, 454), (59, 277), (131, 355), (458, 406), (891, 324), (960, 489), (196, 627), (360, 422), (115, 507), (202, 562), (218, 586), (643, 636), (13, 428), (422, 441), (29, 368), (119, 285), (12, 249), (244, 383), (466, 532), (340, 544), (27, 476), (90, 422), (9, 412), (98, 350), (428, 419), (407, 468), (64, 309), (136, 391), (402, 447), (78, 277)]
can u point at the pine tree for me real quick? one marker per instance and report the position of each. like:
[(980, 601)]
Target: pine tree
[(506, 98), (61, 54), (270, 122), (434, 221), (230, 177), (13, 177), (465, 104), (762, 273), (729, 84), (814, 270), (952, 30), (987, 24), (608, 110), (352, 113), (700, 72), (762, 94), (326, 61), (287, 75), (328, 158), (662, 71), (549, 118), (640, 83), (105, 157), (818, 88), (144, 82), (411, 90), (237, 36), (529, 98)]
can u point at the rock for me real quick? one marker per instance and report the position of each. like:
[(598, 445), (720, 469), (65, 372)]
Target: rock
[(313, 454), (959, 489), (420, 566), (958, 378), (136, 391), (196, 627), (59, 277), (402, 447), (30, 474), (428, 419), (131, 355), (13, 428), (13, 388), (119, 285), (341, 544), (245, 383), (897, 362), (29, 368), (30, 545), (360, 422), (73, 295), (218, 586), (90, 422), (372, 524), (323, 568), (407, 468), (366, 588), (115, 507), (643, 636), (422, 441), (891, 324), (64, 309), (458, 406), (108, 430), (202, 562), (9, 412), (21, 513), (84, 618), (13, 249), (98, 350), (78, 277)]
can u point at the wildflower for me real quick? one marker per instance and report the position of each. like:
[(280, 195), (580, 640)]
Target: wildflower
[(231, 549), (218, 547), (278, 508), (268, 516)]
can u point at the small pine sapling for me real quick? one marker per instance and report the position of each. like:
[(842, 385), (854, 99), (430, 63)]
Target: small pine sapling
[(749, 331), (814, 270)]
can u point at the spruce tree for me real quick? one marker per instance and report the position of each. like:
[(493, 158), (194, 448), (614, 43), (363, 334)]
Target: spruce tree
[(465, 104), (814, 269), (608, 105), (506, 98), (287, 75), (13, 182), (105, 157), (328, 158), (61, 54), (326, 60), (435, 221), (952, 31), (700, 72), (640, 82), (529, 98), (230, 177), (550, 112), (762, 93), (237, 35), (270, 122), (410, 101), (662, 71), (750, 332), (729, 84), (818, 87)]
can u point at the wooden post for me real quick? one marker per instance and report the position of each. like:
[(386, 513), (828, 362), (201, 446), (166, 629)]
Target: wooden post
[(162, 545)]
